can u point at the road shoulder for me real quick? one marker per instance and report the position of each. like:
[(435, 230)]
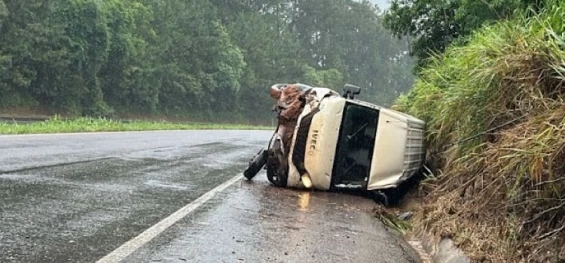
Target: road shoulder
[(256, 222)]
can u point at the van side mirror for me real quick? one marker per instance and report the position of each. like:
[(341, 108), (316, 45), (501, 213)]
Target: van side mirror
[(349, 91)]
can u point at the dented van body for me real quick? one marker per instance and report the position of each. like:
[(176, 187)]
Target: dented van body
[(340, 142)]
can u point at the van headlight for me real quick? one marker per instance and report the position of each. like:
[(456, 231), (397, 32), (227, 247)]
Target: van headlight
[(306, 181)]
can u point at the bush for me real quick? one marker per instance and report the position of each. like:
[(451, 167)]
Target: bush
[(496, 132)]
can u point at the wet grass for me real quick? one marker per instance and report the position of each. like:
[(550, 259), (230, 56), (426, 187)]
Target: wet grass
[(391, 220), (495, 113), (56, 125)]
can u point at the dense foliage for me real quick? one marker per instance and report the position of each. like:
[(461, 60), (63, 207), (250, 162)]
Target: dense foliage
[(496, 132), (202, 58), (436, 24)]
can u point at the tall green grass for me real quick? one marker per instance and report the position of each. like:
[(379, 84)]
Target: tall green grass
[(501, 194), (57, 125)]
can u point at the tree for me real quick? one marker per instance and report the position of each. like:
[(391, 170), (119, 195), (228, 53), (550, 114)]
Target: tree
[(435, 24), (202, 59), (348, 36), (198, 66), (127, 80)]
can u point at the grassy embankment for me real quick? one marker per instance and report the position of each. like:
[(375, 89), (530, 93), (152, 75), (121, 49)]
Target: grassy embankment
[(501, 194), (56, 125)]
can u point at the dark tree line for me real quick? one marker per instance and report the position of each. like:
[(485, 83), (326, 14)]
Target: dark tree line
[(191, 57)]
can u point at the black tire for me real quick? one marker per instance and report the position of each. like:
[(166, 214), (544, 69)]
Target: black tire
[(277, 166), (256, 164), (380, 197)]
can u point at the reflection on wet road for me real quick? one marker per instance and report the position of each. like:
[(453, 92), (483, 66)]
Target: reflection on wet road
[(76, 198), (257, 222)]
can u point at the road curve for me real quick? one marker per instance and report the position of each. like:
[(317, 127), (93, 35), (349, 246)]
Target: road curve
[(78, 197)]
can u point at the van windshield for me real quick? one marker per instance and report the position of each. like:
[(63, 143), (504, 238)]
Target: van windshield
[(355, 145)]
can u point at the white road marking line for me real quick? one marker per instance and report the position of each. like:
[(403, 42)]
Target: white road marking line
[(129, 247)]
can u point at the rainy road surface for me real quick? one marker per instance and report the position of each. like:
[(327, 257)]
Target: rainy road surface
[(171, 197)]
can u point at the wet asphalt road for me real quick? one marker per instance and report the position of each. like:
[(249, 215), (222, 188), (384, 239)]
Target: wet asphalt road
[(77, 197)]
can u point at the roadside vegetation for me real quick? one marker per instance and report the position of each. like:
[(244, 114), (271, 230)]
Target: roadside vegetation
[(494, 105), (85, 124), (201, 60)]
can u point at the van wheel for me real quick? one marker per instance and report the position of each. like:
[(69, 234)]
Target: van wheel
[(276, 172), (277, 166), (256, 164), (379, 197), (388, 197)]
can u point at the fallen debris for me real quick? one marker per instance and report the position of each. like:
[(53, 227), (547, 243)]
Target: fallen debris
[(391, 220), (406, 216)]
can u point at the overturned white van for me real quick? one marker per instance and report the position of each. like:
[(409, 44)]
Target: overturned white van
[(340, 142)]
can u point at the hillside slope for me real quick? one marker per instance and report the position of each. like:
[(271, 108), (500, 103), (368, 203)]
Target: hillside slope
[(496, 135)]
